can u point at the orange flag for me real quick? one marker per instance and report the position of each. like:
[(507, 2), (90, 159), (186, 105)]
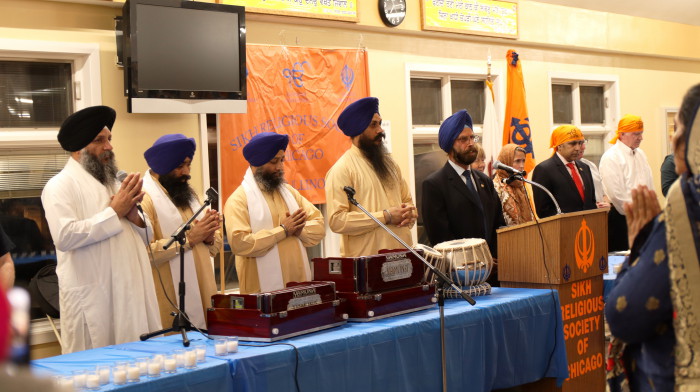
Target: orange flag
[(299, 92), (516, 124)]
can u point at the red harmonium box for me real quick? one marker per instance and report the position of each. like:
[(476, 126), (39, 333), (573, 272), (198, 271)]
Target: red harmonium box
[(267, 317), (367, 307), (371, 274)]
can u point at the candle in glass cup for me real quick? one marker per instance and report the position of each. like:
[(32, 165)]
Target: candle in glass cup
[(119, 375), (79, 378), (143, 365), (232, 344), (103, 372), (220, 347), (190, 359), (154, 368), (179, 357), (201, 353), (133, 372), (92, 380), (170, 364)]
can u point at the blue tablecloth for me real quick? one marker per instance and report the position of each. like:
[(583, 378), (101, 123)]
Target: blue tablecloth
[(511, 337)]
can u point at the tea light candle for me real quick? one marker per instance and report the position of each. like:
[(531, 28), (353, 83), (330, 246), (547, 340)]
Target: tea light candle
[(201, 352), (159, 358), (119, 376), (79, 378), (133, 373), (190, 359), (103, 371), (92, 381), (180, 357), (143, 365), (220, 347), (154, 368), (232, 344), (170, 364)]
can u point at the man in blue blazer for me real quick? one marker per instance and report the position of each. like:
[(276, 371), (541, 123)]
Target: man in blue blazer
[(459, 202)]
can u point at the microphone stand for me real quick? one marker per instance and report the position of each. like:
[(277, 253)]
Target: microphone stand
[(519, 177), (443, 280), (181, 323)]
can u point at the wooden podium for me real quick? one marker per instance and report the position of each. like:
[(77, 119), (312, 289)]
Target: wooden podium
[(568, 253)]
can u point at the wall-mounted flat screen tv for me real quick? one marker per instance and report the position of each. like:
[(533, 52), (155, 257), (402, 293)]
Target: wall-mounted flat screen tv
[(184, 57)]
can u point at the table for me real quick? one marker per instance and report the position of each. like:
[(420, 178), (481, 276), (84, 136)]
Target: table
[(511, 337)]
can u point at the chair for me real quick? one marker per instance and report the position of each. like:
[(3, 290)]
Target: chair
[(43, 288)]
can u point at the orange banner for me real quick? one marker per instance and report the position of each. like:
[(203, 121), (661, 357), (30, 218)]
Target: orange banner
[(299, 92), (516, 123)]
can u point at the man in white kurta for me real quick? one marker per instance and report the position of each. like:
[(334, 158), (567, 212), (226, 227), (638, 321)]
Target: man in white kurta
[(379, 187), (169, 202), (105, 285), (270, 224), (624, 167)]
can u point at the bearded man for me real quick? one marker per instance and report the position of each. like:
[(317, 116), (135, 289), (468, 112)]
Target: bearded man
[(105, 284), (270, 223), (169, 202), (379, 186), (459, 202)]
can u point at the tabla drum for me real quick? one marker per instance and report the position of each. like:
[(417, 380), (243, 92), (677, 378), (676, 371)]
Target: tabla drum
[(434, 258), (468, 262)]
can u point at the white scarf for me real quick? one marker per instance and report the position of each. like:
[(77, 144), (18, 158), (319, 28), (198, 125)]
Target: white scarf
[(269, 268), (170, 219)]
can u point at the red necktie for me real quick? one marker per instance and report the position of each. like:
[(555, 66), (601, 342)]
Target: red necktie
[(577, 179)]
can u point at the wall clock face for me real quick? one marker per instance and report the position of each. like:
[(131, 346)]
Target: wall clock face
[(392, 12)]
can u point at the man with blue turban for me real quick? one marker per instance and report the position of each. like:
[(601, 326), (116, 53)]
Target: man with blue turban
[(169, 202), (458, 202), (379, 186), (106, 292), (269, 222)]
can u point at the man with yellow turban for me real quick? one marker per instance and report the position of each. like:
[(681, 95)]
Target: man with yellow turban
[(624, 167), (569, 180)]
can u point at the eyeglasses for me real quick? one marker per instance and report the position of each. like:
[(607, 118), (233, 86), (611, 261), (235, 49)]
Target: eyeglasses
[(577, 143), (466, 139)]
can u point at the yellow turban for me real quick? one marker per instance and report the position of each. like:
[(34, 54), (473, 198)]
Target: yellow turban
[(563, 134), (628, 123)]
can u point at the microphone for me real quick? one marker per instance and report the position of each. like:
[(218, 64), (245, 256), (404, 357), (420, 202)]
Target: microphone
[(508, 169), (212, 196), (350, 191), (121, 176)]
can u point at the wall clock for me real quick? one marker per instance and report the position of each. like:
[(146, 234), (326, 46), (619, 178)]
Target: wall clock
[(392, 12)]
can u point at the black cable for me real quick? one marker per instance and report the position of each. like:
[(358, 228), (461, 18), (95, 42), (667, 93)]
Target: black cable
[(296, 360), (549, 276)]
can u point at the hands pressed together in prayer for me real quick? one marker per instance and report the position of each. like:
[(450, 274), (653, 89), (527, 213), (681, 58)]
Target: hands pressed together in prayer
[(203, 230), (125, 200), (402, 216), (643, 208), (294, 223)]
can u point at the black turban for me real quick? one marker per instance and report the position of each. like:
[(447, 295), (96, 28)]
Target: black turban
[(81, 127)]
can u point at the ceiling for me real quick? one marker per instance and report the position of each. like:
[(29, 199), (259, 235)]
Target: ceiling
[(679, 11)]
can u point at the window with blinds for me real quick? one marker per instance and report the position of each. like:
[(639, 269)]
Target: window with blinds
[(24, 172), (35, 94)]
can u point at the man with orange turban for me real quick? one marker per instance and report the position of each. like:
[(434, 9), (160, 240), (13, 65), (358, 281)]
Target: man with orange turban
[(569, 180), (624, 167)]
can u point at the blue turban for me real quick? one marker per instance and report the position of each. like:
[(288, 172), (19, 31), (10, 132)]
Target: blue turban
[(169, 151), (83, 126), (263, 147), (357, 116), (451, 128)]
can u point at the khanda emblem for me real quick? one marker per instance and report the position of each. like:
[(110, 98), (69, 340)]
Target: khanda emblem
[(521, 134), (347, 76), (584, 247)]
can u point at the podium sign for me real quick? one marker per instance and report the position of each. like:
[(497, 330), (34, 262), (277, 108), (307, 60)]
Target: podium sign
[(568, 253)]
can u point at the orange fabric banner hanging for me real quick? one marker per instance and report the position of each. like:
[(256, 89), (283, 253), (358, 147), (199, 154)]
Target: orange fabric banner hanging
[(516, 123), (299, 92)]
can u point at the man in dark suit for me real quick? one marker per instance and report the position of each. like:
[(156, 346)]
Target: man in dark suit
[(458, 202), (569, 180)]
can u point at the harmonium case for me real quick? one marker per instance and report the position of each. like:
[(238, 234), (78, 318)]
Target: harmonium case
[(377, 286), (302, 307)]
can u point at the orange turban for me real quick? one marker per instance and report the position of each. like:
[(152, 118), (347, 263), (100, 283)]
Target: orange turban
[(563, 134), (628, 123)]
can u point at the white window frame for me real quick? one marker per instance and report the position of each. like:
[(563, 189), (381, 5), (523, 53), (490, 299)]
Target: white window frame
[(85, 59), (87, 90), (611, 95)]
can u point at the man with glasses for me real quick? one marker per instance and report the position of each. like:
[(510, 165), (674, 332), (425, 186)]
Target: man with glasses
[(624, 167), (459, 202), (569, 180)]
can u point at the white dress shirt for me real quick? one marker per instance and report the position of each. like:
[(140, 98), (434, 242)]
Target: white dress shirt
[(623, 169)]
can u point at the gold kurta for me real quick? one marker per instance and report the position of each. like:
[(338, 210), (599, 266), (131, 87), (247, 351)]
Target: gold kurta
[(202, 262), (247, 245), (362, 236)]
